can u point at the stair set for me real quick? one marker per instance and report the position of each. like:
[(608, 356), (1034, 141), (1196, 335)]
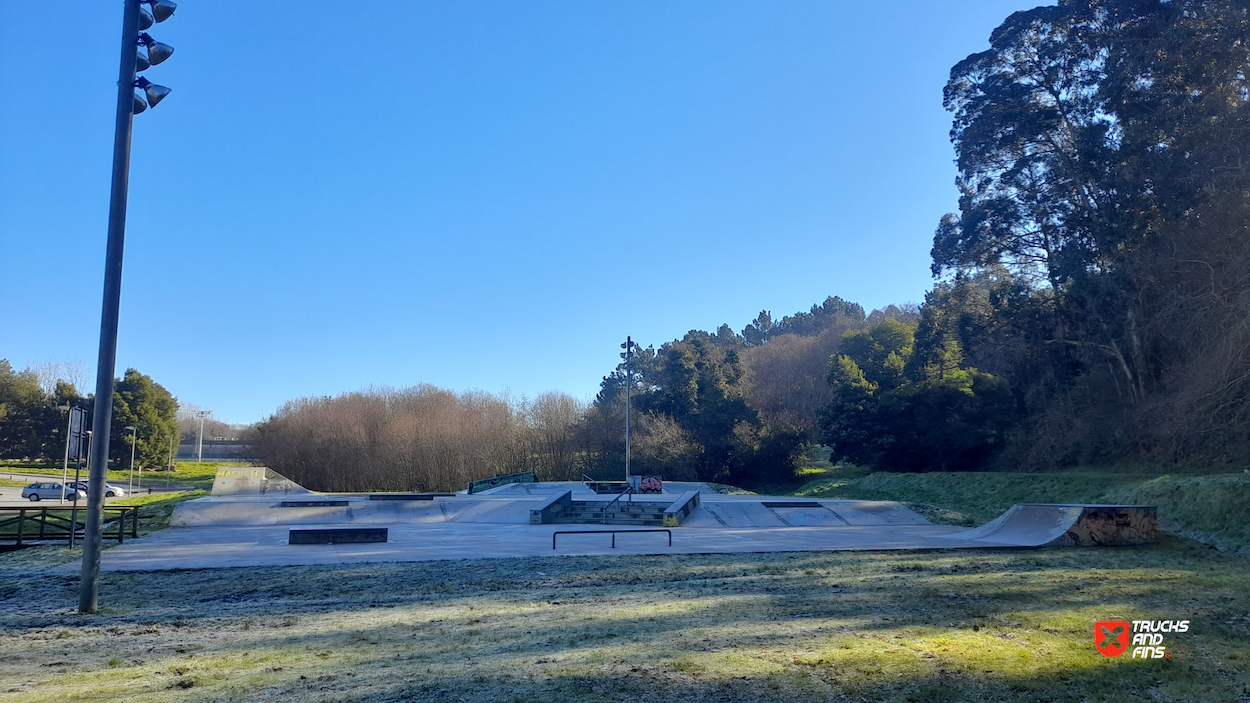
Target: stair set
[(561, 509), (621, 512)]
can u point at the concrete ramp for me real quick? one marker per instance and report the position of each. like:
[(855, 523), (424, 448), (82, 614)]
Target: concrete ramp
[(1069, 525), (874, 512), (734, 514), (409, 512), (743, 511), (254, 480), (205, 512), (514, 512)]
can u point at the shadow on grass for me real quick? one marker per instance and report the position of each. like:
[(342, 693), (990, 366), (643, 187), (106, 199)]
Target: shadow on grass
[(893, 626)]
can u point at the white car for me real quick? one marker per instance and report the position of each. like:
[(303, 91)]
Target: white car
[(110, 491), (51, 491)]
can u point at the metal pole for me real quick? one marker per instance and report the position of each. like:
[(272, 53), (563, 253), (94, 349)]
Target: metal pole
[(73, 514), (134, 433), (199, 442), (65, 467), (89, 592), (628, 382)]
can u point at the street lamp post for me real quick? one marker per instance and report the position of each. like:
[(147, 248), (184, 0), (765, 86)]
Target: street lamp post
[(630, 348), (199, 442), (69, 428), (73, 514), (130, 487), (134, 19)]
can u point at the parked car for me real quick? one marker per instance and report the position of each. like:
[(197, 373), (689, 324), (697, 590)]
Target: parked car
[(52, 490), (110, 491)]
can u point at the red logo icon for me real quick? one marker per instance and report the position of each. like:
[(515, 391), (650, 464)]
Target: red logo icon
[(1111, 637)]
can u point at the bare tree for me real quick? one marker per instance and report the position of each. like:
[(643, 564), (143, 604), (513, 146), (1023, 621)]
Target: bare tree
[(50, 373)]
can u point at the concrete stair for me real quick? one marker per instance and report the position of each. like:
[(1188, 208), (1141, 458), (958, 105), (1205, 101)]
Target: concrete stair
[(604, 512)]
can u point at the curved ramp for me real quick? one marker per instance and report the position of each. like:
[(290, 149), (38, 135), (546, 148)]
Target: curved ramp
[(1067, 524)]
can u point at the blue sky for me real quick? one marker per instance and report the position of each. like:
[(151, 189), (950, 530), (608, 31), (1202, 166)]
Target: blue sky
[(471, 194)]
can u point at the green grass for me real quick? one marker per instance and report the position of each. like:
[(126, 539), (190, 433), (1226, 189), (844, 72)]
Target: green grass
[(189, 474), (894, 626), (1214, 509), (157, 508)]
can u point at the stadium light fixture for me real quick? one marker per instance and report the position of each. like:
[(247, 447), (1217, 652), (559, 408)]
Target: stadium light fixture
[(157, 52), (162, 9), (155, 93)]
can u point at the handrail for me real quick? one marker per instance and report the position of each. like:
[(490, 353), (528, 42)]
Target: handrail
[(629, 490), (612, 532)]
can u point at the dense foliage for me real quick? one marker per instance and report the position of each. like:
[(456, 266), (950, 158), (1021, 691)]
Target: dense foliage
[(1099, 263), (33, 427)]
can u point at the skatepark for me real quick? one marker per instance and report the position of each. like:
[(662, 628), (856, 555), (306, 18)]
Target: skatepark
[(255, 517)]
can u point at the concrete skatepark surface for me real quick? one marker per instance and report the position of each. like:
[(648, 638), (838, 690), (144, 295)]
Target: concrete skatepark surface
[(246, 524)]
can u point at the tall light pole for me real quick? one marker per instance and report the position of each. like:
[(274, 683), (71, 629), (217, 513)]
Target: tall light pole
[(130, 487), (73, 514), (630, 348), (170, 469), (199, 442), (68, 430), (134, 19)]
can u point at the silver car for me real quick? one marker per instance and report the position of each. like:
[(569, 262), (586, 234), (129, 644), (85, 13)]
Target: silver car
[(52, 490)]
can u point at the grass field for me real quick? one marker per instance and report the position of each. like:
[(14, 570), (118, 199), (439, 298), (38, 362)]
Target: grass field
[(891, 626), (188, 474), (1213, 509), (896, 626)]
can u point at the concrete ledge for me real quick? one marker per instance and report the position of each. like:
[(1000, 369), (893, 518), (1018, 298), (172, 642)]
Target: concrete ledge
[(501, 480), (681, 508), (409, 496), (321, 534), (551, 508), (608, 487), (312, 504)]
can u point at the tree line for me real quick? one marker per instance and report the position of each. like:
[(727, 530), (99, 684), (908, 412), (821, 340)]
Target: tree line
[(721, 406), (420, 438), (34, 406)]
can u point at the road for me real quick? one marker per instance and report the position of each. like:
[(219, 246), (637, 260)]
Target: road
[(11, 496)]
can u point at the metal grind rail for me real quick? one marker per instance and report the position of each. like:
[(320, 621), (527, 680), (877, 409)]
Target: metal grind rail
[(606, 532), (629, 491), (20, 526)]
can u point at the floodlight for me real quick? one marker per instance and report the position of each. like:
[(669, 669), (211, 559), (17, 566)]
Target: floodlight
[(140, 106), (157, 52), (162, 9), (154, 92), (145, 19), (141, 62)]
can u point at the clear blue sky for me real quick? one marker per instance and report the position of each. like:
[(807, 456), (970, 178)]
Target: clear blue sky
[(471, 194)]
